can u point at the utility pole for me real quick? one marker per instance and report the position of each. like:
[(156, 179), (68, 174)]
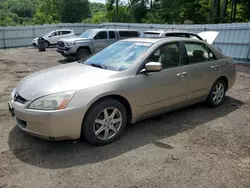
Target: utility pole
[(117, 10)]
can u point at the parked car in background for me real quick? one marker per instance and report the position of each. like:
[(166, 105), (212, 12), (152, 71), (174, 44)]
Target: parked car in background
[(128, 81), (92, 41), (208, 36), (53, 37)]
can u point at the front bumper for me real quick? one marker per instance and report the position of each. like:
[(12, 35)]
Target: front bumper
[(66, 51), (35, 43), (52, 125)]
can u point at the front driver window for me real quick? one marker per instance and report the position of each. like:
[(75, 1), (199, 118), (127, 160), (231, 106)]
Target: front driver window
[(168, 55), (101, 35), (54, 34)]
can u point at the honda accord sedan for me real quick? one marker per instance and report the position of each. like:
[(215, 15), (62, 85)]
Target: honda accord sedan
[(128, 81)]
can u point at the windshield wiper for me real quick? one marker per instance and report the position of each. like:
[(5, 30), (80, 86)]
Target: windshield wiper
[(98, 65)]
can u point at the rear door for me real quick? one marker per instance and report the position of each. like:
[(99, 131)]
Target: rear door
[(100, 40), (203, 69)]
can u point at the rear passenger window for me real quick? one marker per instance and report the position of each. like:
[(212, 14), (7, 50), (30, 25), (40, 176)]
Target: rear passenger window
[(112, 35), (128, 34), (101, 35), (198, 53)]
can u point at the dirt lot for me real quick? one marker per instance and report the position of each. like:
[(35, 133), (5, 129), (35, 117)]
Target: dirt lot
[(192, 147)]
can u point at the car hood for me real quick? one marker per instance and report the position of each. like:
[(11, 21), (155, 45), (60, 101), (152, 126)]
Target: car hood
[(75, 39), (69, 77)]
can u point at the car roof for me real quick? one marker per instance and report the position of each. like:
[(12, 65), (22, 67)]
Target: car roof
[(103, 29), (168, 31), (64, 30), (164, 39)]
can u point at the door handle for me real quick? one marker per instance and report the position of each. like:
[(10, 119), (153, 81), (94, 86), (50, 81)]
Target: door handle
[(182, 74), (214, 66)]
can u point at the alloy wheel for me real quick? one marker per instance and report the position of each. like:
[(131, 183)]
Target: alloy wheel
[(107, 123), (218, 93)]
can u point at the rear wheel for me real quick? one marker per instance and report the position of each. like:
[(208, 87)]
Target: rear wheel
[(82, 53), (217, 94), (104, 122)]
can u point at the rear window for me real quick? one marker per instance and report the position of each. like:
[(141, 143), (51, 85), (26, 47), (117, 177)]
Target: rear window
[(177, 35), (128, 34), (150, 34)]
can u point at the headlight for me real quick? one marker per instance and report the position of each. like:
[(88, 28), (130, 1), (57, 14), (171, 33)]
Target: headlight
[(71, 43), (52, 102)]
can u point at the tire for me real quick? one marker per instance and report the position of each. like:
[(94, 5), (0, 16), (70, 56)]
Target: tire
[(47, 44), (216, 97), (82, 53), (97, 128)]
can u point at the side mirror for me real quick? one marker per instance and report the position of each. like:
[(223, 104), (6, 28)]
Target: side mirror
[(153, 67), (49, 36)]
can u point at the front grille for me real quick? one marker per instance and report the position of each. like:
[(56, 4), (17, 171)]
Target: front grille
[(21, 123), (60, 44), (18, 98)]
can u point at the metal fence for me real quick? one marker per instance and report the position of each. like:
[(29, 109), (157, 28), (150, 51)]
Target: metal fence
[(233, 40)]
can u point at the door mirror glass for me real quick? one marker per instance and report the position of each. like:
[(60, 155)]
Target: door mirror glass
[(153, 67), (210, 55)]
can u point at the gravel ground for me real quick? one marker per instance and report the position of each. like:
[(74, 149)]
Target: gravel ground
[(191, 147)]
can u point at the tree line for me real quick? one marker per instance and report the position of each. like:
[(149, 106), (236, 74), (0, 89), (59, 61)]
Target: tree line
[(27, 12)]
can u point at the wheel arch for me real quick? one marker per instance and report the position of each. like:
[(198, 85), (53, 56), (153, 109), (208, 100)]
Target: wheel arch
[(225, 79), (117, 97), (48, 42), (85, 47)]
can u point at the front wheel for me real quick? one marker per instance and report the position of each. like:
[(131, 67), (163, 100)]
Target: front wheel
[(82, 53), (104, 122), (217, 94), (47, 44)]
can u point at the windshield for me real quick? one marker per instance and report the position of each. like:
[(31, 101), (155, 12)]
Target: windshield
[(119, 56), (88, 34), (49, 34)]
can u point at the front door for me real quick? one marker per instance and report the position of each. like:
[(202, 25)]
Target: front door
[(100, 40), (161, 90), (54, 37), (203, 69)]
